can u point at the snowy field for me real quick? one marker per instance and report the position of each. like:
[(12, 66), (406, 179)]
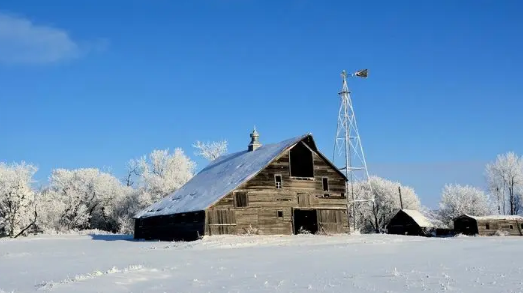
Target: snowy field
[(305, 263)]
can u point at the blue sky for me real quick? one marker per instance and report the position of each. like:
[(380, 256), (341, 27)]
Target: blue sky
[(96, 85)]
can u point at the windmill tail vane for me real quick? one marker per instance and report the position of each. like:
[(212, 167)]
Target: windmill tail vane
[(362, 73)]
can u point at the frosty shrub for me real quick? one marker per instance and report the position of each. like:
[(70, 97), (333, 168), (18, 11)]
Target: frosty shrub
[(251, 231), (303, 231), (80, 199), (502, 233), (321, 231)]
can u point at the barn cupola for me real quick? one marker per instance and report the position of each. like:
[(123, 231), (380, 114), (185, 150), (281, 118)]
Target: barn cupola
[(254, 141)]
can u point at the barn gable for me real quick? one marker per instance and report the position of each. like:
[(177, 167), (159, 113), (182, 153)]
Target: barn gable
[(224, 175)]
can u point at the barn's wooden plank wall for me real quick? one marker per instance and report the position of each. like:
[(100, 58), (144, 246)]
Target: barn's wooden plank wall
[(513, 227), (332, 221), (322, 169)]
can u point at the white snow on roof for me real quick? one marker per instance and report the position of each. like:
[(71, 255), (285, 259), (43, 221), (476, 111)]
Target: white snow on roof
[(220, 177), (496, 217), (419, 218)]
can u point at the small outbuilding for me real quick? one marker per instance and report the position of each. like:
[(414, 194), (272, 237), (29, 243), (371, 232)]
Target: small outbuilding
[(410, 222), (489, 225)]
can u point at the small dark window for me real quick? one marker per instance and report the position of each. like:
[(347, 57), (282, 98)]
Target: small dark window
[(240, 199), (277, 180), (326, 195), (280, 214), (325, 183), (511, 227), (342, 195), (487, 226)]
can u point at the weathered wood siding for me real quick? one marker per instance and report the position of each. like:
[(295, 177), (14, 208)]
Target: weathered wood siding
[(269, 209), (220, 221), (487, 227), (265, 179), (513, 227), (332, 221)]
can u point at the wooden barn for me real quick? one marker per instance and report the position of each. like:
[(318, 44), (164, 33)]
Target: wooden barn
[(411, 222), (282, 188), (488, 225)]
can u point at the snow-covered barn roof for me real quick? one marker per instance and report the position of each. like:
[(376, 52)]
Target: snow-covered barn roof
[(419, 218), (220, 177), (493, 217)]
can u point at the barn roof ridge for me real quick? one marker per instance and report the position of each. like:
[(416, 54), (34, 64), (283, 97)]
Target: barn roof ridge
[(220, 177)]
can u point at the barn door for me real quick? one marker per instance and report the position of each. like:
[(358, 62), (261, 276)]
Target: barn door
[(221, 222), (330, 221)]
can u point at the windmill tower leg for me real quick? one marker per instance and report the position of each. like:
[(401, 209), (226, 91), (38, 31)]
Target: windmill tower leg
[(348, 149)]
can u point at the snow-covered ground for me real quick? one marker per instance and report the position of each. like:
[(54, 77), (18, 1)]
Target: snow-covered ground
[(305, 263)]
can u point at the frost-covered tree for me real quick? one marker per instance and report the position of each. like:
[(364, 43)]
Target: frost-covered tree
[(17, 210), (153, 177), (374, 216), (162, 173), (505, 178), (211, 150), (457, 200), (134, 169), (433, 216), (80, 199), (126, 207)]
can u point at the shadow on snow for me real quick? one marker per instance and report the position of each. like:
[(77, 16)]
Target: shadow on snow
[(113, 237)]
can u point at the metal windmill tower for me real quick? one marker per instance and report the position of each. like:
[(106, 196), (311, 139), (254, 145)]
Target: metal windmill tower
[(348, 150)]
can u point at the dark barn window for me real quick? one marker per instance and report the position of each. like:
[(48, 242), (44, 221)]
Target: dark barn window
[(280, 214), (325, 183), (240, 199), (301, 163), (277, 180), (487, 226)]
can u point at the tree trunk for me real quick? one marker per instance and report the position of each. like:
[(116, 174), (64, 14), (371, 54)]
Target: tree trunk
[(511, 198), (376, 222), (503, 197), (28, 226)]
